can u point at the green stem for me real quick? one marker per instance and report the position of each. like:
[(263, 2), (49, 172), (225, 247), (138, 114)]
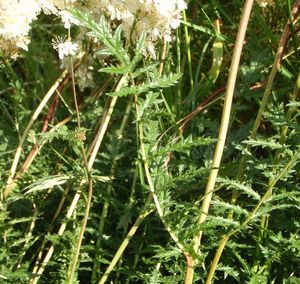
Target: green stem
[(150, 182), (104, 123), (105, 208), (138, 253), (275, 68), (93, 152), (35, 115), (250, 217), (130, 203), (265, 219), (82, 230), (126, 241), (223, 131), (267, 92), (189, 56), (225, 118), (74, 260), (216, 260)]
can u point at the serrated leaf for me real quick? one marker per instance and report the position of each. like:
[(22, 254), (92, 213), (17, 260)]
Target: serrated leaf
[(145, 69), (140, 45), (164, 82), (235, 208), (264, 143), (294, 104), (267, 209), (175, 252), (221, 221), (239, 186), (20, 220), (102, 32)]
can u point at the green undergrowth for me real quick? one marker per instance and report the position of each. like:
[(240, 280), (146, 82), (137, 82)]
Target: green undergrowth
[(153, 164)]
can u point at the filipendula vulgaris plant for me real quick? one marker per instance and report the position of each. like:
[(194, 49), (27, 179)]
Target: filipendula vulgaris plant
[(139, 219)]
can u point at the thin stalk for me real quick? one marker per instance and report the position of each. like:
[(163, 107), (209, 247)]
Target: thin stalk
[(163, 57), (150, 182), (104, 123), (126, 241), (35, 115), (105, 207), (152, 195), (265, 219), (27, 237), (223, 128), (130, 203), (225, 117), (93, 152), (250, 217), (74, 260), (188, 53), (178, 70), (275, 68), (267, 195), (137, 255)]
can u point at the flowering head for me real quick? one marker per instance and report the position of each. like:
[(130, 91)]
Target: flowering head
[(64, 47)]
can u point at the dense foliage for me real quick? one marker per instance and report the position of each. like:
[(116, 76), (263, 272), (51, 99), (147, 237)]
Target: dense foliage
[(110, 182)]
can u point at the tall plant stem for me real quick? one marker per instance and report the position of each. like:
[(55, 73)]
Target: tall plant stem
[(93, 152), (225, 118), (35, 115), (150, 182), (123, 246), (224, 125), (126, 241), (265, 219), (90, 187), (275, 68), (276, 65), (250, 217), (152, 195), (189, 57), (105, 207)]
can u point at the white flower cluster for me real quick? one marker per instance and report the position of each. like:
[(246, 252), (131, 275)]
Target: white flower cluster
[(156, 17), (15, 19), (265, 3), (64, 47)]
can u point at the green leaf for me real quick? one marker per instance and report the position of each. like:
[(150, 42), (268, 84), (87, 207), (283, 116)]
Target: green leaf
[(239, 186), (113, 70), (144, 69), (228, 206), (101, 30), (48, 182), (164, 82), (264, 143)]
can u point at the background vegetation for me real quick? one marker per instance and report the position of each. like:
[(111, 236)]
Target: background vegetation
[(115, 191)]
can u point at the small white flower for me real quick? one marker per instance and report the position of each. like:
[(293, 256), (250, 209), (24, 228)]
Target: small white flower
[(67, 19), (181, 5), (64, 47), (265, 3)]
